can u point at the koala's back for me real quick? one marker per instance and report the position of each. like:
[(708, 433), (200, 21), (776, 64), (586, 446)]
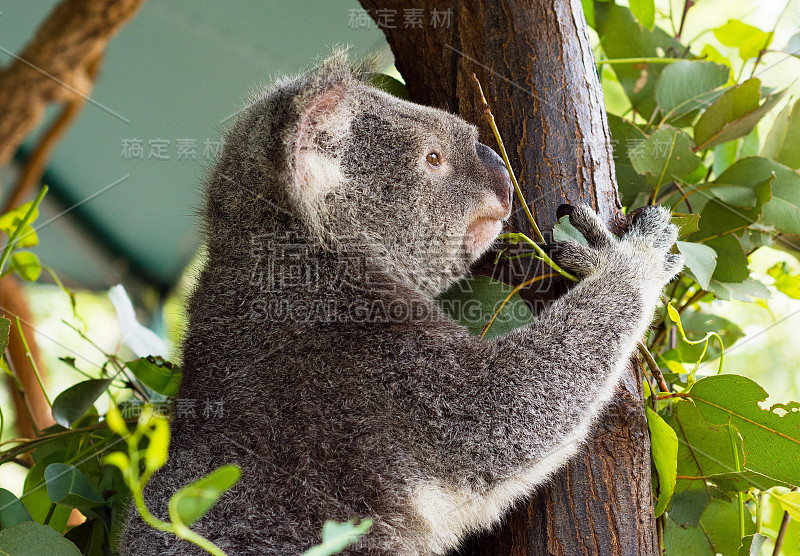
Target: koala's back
[(312, 414)]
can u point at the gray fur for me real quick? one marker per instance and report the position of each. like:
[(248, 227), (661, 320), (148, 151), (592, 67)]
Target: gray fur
[(369, 402)]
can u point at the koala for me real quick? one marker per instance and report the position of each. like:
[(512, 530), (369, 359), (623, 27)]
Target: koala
[(333, 217)]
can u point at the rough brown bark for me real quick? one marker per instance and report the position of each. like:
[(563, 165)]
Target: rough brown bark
[(55, 65), (535, 63)]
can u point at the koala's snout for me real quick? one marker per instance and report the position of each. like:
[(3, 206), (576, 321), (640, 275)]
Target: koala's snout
[(497, 176)]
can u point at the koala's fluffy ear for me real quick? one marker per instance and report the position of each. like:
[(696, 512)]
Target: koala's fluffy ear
[(325, 108), (321, 132)]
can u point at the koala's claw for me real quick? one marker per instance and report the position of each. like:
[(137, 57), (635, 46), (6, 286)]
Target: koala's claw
[(589, 224)]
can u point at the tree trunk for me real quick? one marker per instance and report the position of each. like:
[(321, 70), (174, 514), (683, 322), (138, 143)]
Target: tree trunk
[(535, 63)]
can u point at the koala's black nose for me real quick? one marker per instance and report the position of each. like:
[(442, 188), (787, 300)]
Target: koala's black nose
[(499, 180)]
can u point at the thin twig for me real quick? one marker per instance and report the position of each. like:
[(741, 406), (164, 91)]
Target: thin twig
[(686, 5), (770, 36), (487, 112), (781, 533), (651, 362)]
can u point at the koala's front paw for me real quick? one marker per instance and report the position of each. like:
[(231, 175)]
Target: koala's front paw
[(642, 254)]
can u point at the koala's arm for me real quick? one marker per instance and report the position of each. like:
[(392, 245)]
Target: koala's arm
[(518, 406)]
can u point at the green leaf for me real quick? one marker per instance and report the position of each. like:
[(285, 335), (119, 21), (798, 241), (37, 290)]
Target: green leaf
[(790, 502), (71, 404), (35, 498), (720, 522), (622, 37), (725, 155), (664, 447), (391, 85), (193, 501), (680, 541), (156, 373), (12, 219), (115, 420), (785, 282), (665, 156), (749, 39), (338, 536), (721, 224), (625, 136), (771, 440), (686, 86), (750, 144), (711, 54), (748, 291), (732, 263), (26, 264), (473, 301), (25, 539), (752, 545), (687, 223), (733, 115), (701, 260), (704, 448), (783, 140), (12, 511), (718, 531), (68, 486), (644, 11), (783, 209), (563, 230)]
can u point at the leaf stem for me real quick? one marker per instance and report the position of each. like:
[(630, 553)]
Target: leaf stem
[(739, 494), (541, 253), (49, 513), (487, 112)]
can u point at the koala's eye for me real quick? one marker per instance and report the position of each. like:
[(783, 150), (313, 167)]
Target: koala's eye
[(433, 159)]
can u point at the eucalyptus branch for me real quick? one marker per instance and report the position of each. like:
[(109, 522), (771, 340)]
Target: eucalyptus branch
[(487, 112), (654, 368), (515, 237), (781, 534)]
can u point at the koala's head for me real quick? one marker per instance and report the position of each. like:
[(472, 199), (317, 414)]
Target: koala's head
[(362, 171)]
